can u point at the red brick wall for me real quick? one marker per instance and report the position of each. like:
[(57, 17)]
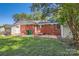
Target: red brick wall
[(45, 29), (51, 29), (24, 28)]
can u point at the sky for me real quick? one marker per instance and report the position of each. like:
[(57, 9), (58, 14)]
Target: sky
[(7, 10)]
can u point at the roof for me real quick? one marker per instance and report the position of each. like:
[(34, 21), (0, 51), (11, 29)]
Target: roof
[(47, 22), (6, 26), (40, 22), (23, 22)]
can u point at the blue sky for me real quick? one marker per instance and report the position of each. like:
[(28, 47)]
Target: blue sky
[(7, 10)]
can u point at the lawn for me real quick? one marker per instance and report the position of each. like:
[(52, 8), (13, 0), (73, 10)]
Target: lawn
[(28, 46)]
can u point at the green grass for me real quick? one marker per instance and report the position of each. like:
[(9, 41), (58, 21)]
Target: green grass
[(28, 46)]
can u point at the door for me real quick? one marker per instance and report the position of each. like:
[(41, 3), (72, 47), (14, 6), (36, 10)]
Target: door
[(29, 32)]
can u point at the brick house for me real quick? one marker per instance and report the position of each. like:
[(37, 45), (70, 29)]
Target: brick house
[(31, 27)]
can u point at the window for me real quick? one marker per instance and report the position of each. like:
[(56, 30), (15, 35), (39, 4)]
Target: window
[(17, 26)]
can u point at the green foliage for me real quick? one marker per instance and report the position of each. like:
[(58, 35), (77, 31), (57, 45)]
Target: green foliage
[(22, 16), (46, 9), (67, 12), (60, 12), (37, 15)]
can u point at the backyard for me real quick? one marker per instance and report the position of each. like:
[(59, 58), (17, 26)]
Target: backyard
[(29, 46)]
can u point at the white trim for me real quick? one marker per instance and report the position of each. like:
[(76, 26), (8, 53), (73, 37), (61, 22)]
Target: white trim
[(40, 26), (62, 31), (35, 30), (15, 30), (47, 23)]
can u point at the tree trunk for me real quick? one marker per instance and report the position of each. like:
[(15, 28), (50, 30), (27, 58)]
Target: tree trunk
[(76, 40), (74, 27)]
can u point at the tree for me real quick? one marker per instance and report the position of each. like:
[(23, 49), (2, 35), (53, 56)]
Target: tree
[(64, 13), (37, 16), (21, 16), (42, 10)]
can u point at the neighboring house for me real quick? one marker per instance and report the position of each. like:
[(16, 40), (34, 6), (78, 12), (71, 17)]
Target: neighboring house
[(2, 29), (31, 27), (5, 30)]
